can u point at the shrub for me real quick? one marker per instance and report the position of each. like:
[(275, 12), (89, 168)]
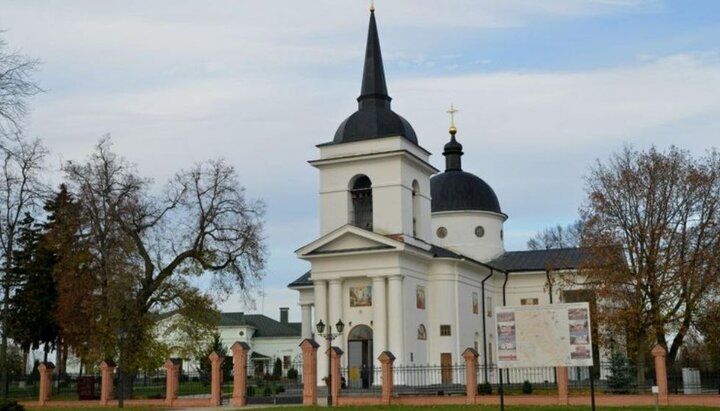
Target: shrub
[(527, 387), (250, 391), (10, 405), (277, 369), (292, 374), (268, 391), (279, 389), (484, 388)]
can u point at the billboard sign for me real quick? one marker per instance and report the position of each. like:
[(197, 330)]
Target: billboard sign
[(555, 335)]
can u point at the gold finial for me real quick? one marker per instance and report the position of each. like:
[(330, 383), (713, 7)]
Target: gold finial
[(452, 111), (372, 5)]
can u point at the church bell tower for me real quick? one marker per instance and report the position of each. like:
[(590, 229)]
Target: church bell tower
[(374, 174)]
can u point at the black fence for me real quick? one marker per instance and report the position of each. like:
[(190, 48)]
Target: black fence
[(358, 381), (694, 378), (288, 389)]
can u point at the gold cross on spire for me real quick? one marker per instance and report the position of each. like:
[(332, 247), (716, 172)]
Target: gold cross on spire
[(452, 112), (372, 5)]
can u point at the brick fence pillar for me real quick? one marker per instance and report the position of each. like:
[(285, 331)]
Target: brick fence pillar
[(661, 373), (386, 360), (45, 369), (172, 380), (240, 356), (216, 362), (471, 357), (309, 372), (335, 355), (562, 384), (107, 371)]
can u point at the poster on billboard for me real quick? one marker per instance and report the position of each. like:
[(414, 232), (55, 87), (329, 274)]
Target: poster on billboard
[(555, 335)]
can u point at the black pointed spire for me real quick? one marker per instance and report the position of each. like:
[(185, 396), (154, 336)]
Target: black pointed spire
[(374, 118), (374, 89)]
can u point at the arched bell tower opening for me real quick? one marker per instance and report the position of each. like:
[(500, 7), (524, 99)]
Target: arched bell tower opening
[(360, 357), (415, 207), (361, 202)]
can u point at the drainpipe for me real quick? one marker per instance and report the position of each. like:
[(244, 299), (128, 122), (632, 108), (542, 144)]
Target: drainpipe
[(550, 286), (484, 325), (504, 285)]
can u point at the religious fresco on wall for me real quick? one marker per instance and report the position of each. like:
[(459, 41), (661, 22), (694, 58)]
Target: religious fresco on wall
[(421, 333), (361, 296), (420, 297), (475, 303)]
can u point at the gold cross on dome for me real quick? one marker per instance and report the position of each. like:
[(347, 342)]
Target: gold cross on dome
[(452, 112)]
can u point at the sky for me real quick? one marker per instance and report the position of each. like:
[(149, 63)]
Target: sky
[(544, 89)]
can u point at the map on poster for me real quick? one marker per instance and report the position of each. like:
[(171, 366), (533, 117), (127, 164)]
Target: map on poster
[(544, 336)]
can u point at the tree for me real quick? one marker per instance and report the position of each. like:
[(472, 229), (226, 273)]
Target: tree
[(22, 162), (146, 249), (31, 321), (620, 377), (557, 237), (653, 231), (21, 192), (16, 85), (203, 357)]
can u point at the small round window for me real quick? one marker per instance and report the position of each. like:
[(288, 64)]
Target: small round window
[(241, 333), (479, 231), (441, 232)]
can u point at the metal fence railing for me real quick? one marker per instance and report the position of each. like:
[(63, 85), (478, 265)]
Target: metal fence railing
[(694, 378), (430, 379), (359, 381)]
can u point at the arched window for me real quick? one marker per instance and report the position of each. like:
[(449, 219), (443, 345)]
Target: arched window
[(361, 214), (415, 207)]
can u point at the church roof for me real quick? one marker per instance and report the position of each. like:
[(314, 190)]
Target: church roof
[(457, 190), (302, 281), (264, 325), (540, 260), (374, 117)]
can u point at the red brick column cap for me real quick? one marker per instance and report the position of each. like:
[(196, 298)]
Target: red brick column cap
[(173, 362), (107, 364), (309, 342), (658, 351), (386, 357), (334, 351), (214, 356), (470, 353), (237, 346), (47, 365)]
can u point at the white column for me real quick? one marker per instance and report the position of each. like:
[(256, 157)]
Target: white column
[(395, 318), (307, 324), (335, 306), (379, 297), (321, 314)]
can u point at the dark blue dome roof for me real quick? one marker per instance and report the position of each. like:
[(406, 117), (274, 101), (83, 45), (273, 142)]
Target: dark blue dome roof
[(457, 190), (374, 123)]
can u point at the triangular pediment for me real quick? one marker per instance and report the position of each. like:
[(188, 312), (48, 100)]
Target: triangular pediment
[(348, 239)]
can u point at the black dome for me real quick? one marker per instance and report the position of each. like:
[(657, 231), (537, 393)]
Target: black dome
[(367, 124), (456, 190)]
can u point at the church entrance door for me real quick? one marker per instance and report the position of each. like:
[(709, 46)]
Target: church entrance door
[(360, 357), (446, 368)]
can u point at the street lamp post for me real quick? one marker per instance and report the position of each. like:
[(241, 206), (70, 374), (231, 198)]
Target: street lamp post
[(329, 336)]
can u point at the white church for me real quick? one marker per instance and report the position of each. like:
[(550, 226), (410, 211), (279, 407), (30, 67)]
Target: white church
[(410, 258)]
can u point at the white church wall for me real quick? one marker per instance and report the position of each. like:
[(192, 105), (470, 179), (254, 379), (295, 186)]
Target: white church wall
[(527, 286), (461, 236), (416, 349)]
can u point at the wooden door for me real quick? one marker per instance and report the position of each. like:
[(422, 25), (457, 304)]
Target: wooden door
[(446, 368)]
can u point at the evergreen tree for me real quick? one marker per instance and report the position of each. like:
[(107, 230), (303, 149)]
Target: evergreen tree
[(31, 321), (203, 357), (620, 376)]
